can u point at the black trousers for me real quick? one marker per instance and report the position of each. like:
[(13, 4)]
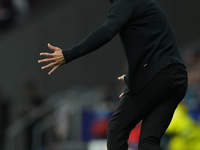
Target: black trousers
[(155, 105)]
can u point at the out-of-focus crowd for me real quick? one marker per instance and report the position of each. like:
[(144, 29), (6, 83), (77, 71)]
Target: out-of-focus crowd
[(27, 108), (13, 11), (182, 134), (184, 130)]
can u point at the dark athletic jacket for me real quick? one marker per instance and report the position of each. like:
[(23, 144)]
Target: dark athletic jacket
[(147, 37)]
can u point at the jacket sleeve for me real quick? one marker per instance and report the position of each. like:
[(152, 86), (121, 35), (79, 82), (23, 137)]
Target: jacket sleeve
[(119, 14)]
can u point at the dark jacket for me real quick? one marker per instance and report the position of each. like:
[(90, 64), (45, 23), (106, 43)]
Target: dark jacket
[(147, 37)]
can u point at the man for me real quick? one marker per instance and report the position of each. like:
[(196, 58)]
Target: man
[(156, 79)]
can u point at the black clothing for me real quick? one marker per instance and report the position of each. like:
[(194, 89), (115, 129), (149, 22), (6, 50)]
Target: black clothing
[(156, 79), (155, 104), (147, 37), (4, 119)]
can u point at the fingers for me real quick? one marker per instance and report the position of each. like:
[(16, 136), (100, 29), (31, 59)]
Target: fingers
[(47, 66), (46, 60), (50, 65), (52, 70), (55, 59), (121, 77), (49, 54), (120, 96), (46, 54)]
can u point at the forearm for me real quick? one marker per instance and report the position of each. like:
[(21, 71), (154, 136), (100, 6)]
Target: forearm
[(93, 41), (119, 14)]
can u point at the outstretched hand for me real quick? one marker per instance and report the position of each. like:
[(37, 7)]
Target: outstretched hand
[(122, 79), (55, 59)]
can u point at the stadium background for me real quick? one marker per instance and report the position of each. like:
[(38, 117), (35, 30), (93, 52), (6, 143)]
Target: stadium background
[(83, 94)]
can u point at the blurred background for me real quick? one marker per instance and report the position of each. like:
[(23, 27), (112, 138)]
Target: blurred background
[(70, 109)]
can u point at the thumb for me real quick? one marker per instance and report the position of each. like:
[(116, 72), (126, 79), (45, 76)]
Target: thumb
[(52, 47), (121, 77), (120, 96)]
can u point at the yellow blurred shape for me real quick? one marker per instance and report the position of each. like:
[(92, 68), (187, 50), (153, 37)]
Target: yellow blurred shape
[(184, 131)]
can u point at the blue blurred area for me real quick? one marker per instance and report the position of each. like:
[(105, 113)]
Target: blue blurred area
[(94, 124)]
